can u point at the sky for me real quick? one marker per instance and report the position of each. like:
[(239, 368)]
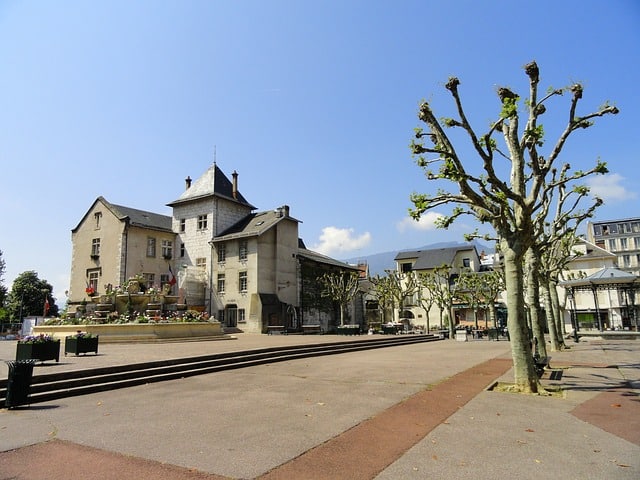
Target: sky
[(312, 103)]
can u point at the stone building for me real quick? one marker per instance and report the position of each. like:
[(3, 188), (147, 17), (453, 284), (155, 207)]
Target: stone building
[(620, 237), (112, 243), (249, 270)]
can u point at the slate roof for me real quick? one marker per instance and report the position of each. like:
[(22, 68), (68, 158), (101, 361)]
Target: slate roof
[(141, 218), (135, 217), (212, 183), (320, 258), (433, 258), (252, 225)]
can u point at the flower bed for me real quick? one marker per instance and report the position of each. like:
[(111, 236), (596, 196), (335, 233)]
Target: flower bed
[(38, 347), (81, 342)]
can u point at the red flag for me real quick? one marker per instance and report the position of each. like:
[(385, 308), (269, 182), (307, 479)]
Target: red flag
[(46, 306), (172, 278)]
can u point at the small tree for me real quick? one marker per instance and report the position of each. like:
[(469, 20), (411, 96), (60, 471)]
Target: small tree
[(401, 286), (340, 287), (382, 289), (426, 283), (29, 295)]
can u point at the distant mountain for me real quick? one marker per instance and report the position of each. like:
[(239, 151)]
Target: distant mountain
[(379, 262)]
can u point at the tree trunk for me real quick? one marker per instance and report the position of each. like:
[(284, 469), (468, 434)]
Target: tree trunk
[(560, 325), (551, 318), (525, 376), (533, 297)]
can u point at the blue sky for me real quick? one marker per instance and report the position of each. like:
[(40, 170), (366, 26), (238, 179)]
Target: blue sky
[(312, 103)]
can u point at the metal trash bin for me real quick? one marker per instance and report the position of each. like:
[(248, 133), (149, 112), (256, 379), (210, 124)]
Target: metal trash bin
[(19, 382)]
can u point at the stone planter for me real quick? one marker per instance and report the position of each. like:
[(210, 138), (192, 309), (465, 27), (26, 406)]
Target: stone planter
[(78, 345), (391, 329), (38, 351), (349, 330)]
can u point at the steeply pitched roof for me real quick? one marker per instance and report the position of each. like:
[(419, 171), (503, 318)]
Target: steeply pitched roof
[(254, 224), (433, 258), (135, 217), (141, 218), (212, 183)]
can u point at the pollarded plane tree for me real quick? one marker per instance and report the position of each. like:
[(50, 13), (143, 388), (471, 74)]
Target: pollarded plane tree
[(401, 285), (553, 248), (340, 287), (509, 202), (382, 291)]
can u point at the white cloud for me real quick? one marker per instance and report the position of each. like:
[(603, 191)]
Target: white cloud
[(340, 240), (609, 188), (426, 223)]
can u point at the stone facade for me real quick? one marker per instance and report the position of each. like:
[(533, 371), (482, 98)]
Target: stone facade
[(112, 243), (240, 266)]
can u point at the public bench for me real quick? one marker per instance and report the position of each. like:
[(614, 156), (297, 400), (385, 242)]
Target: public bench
[(315, 328), (276, 330), (541, 363)]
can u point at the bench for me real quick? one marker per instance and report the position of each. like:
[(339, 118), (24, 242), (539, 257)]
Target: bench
[(541, 363), (315, 328), (276, 330)]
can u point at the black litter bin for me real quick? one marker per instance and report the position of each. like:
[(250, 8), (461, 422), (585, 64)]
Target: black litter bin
[(19, 382)]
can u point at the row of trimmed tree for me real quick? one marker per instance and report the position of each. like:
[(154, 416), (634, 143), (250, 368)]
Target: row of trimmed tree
[(510, 181)]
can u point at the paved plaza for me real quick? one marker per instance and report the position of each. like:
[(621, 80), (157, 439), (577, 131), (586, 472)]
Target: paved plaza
[(408, 412)]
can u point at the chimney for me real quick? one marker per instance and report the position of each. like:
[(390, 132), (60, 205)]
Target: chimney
[(235, 185), (285, 208), (187, 182)]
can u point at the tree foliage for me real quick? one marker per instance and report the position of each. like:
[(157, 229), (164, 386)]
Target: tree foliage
[(28, 296), (3, 289), (510, 191)]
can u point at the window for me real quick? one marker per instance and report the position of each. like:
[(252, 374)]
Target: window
[(626, 261), (221, 283), (623, 244), (167, 249), (183, 225), (242, 281), (164, 279), (635, 227), (97, 217), (636, 242), (95, 247), (612, 244), (151, 247), (597, 230), (241, 315), (243, 250), (405, 267), (182, 250), (93, 276), (202, 222), (222, 252), (149, 279), (220, 316), (466, 262), (201, 262)]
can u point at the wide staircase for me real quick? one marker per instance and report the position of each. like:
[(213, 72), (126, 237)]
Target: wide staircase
[(54, 386)]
